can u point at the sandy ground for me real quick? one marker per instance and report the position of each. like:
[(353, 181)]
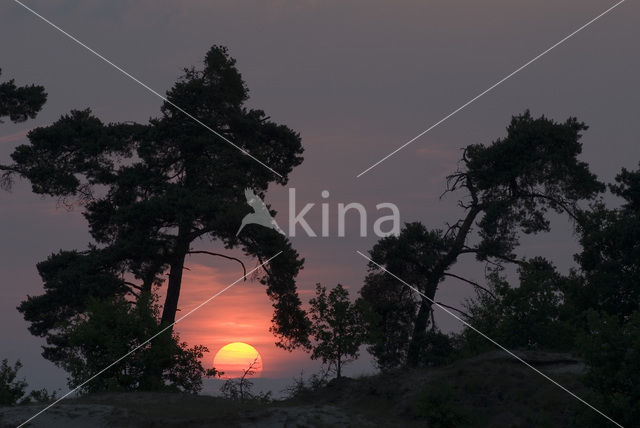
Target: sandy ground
[(62, 416), (299, 416), (95, 415)]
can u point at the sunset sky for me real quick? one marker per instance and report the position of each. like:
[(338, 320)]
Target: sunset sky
[(356, 79)]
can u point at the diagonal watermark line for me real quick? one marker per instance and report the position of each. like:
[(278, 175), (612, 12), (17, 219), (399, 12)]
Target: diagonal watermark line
[(147, 87), (498, 83), (146, 341), (491, 340)]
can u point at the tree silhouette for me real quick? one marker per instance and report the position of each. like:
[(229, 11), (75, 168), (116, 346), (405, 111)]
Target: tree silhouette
[(149, 191), (509, 186), (532, 315), (388, 310), (12, 389), (610, 257), (336, 327), (593, 312), (607, 300), (20, 103)]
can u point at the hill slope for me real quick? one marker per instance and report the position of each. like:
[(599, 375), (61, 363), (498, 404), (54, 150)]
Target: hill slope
[(491, 390)]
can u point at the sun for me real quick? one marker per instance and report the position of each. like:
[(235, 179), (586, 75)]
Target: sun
[(234, 358)]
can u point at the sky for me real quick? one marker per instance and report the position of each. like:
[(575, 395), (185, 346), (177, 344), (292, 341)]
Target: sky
[(356, 79)]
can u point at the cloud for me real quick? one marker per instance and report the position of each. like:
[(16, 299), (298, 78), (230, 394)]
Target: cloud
[(11, 138), (439, 152)]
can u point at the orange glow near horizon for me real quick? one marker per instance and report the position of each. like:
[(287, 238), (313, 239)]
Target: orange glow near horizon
[(241, 314), (233, 359)]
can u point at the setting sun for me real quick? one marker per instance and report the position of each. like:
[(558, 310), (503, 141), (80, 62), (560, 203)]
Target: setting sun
[(233, 359)]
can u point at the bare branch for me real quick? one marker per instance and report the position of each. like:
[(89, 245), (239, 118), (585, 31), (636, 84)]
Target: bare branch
[(504, 258), (6, 178), (452, 227), (453, 182), (468, 281), (131, 284), (223, 256), (452, 308)]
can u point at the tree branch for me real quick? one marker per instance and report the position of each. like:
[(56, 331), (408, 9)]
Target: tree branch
[(452, 308), (468, 250), (223, 256), (510, 260), (131, 284), (458, 243), (468, 281), (495, 256), (562, 204)]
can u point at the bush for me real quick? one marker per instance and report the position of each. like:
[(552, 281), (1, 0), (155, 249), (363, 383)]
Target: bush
[(438, 406), (11, 388), (611, 349), (113, 328), (533, 315), (438, 349), (301, 386)]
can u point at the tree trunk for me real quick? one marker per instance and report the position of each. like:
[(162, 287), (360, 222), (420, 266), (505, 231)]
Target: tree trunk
[(420, 328), (175, 274), (419, 332), (154, 375)]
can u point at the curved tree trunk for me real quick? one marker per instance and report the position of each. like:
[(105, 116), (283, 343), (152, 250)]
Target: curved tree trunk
[(420, 328), (426, 307)]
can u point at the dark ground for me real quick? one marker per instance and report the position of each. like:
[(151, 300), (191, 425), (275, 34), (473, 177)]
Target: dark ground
[(492, 390)]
